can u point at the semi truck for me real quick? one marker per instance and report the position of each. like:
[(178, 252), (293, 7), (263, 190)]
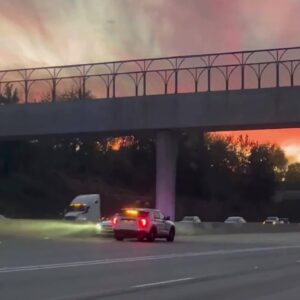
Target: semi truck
[(84, 208)]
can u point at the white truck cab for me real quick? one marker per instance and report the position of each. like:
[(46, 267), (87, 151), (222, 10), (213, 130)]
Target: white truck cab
[(143, 223), (85, 208)]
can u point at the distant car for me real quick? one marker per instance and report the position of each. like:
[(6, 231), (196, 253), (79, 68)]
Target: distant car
[(271, 221), (143, 223), (284, 221), (235, 220), (191, 219), (105, 226)]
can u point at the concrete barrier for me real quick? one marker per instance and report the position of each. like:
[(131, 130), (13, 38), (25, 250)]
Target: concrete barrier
[(57, 228), (222, 228)]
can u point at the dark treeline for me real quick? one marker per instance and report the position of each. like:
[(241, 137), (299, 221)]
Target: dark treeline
[(40, 178), (229, 176), (216, 176), (9, 95)]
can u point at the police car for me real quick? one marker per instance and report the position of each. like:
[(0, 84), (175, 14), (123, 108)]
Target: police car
[(143, 223)]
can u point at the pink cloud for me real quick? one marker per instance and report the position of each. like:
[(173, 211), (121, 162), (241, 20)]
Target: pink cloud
[(40, 32)]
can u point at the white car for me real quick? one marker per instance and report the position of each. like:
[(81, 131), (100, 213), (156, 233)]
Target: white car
[(235, 220), (272, 221), (2, 217), (191, 219), (143, 223), (105, 227)]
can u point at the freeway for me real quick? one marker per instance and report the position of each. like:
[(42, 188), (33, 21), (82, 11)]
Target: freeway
[(236, 266)]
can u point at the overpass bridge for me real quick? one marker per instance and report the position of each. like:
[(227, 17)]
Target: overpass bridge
[(223, 91)]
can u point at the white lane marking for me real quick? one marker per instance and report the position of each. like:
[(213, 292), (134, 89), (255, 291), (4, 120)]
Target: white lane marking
[(162, 282), (142, 258)]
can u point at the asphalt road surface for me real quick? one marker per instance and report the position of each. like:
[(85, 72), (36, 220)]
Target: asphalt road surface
[(235, 267)]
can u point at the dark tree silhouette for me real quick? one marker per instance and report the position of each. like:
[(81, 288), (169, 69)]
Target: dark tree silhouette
[(222, 171), (74, 94), (9, 95), (265, 162), (292, 177)]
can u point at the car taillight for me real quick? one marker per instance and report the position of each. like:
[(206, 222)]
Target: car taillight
[(143, 222), (115, 220)]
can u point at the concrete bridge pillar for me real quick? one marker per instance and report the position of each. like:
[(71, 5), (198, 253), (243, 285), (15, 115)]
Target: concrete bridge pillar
[(166, 162)]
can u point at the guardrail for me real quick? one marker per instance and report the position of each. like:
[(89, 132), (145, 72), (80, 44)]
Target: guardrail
[(166, 75), (222, 228)]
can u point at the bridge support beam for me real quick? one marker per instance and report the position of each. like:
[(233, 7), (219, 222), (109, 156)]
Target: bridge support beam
[(166, 162)]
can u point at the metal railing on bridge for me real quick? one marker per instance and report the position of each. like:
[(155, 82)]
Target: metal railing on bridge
[(166, 75)]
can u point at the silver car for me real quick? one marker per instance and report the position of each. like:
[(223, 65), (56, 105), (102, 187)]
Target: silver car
[(235, 220), (272, 221), (191, 219), (105, 227)]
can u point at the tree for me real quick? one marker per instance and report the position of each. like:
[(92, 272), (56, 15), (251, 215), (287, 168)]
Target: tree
[(9, 95), (292, 176), (279, 162), (261, 173), (223, 167), (74, 93)]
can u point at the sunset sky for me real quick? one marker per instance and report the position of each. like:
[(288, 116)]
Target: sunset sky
[(42, 33)]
